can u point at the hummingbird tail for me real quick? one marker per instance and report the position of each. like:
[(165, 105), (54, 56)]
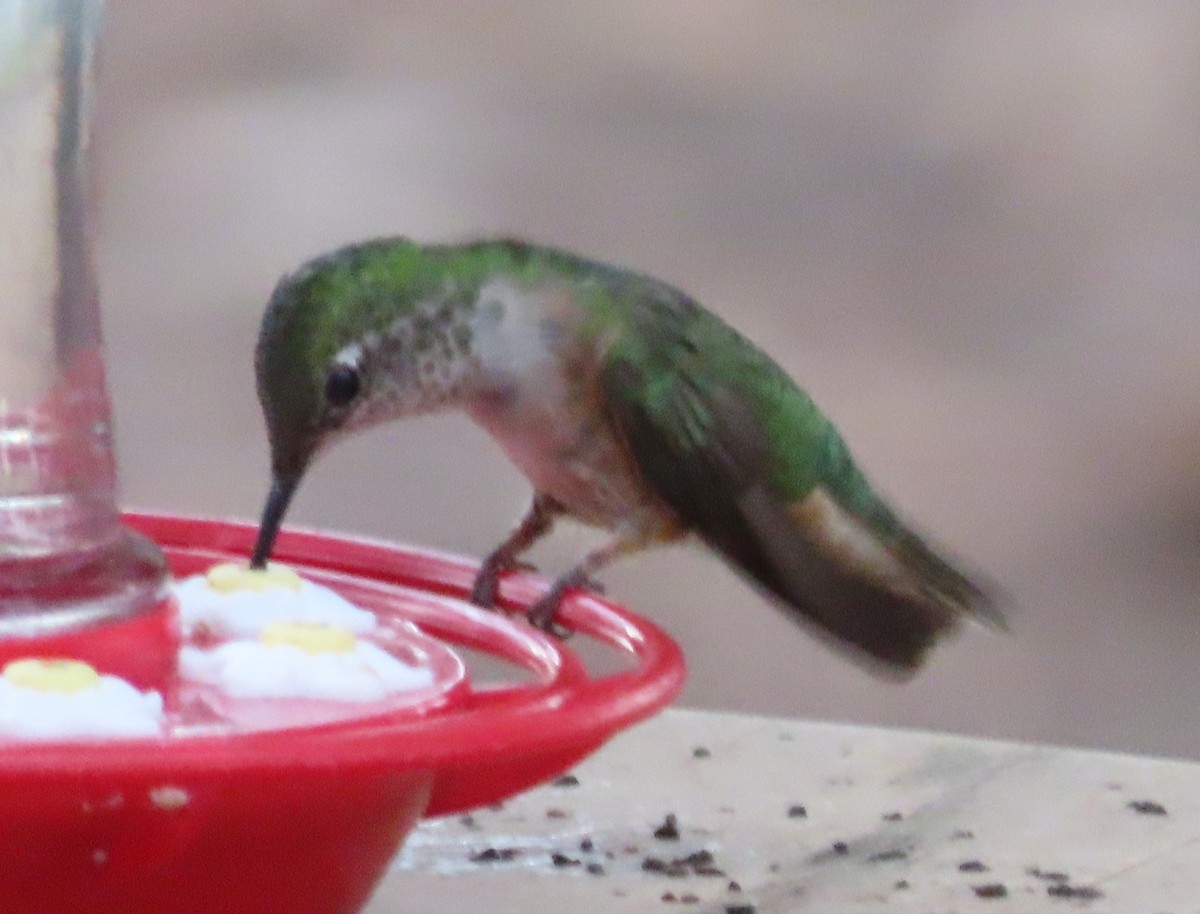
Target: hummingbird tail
[(854, 575), (888, 597)]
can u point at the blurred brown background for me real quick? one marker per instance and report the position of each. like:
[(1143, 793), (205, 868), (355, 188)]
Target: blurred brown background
[(971, 230)]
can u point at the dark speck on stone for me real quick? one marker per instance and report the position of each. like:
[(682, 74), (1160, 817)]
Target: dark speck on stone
[(495, 855), (699, 863), (596, 869), (587, 845), (962, 834), (740, 909), (733, 886), (796, 811), (669, 830), (690, 898), (567, 780), (972, 866), (1148, 808), (669, 897), (556, 813), (1079, 892), (675, 869), (841, 847), (892, 817), (468, 821), (563, 860), (901, 885), (1048, 875), (991, 890), (884, 856), (701, 752)]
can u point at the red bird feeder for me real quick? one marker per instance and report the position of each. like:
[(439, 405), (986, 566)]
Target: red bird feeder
[(248, 804), (306, 819)]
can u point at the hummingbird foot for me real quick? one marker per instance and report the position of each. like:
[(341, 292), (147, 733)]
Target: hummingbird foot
[(595, 585), (543, 613), (533, 526), (487, 581)]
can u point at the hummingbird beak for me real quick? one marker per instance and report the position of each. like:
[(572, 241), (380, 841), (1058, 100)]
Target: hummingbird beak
[(282, 490)]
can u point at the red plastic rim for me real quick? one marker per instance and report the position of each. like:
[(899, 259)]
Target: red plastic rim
[(140, 649), (484, 746)]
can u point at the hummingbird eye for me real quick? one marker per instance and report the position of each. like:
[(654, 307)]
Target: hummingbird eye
[(342, 385)]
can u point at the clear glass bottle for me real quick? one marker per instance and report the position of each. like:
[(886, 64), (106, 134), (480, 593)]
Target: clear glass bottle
[(65, 558)]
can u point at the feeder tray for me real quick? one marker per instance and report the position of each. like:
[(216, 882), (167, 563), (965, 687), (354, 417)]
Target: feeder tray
[(306, 819)]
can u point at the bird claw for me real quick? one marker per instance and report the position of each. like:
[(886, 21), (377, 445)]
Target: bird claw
[(593, 585), (542, 614), (483, 591), (487, 582)]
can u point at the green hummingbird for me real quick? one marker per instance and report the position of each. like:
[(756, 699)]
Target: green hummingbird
[(628, 407)]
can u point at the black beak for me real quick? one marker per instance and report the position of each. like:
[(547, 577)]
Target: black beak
[(282, 491)]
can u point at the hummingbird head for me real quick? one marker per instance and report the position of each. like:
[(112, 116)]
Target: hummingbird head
[(336, 353)]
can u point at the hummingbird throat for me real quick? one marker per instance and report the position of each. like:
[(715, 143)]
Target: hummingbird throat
[(420, 362)]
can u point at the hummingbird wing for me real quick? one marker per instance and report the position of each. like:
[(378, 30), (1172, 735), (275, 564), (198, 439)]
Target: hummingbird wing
[(749, 464)]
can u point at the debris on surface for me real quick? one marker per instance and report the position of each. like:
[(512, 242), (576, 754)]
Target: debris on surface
[(991, 890), (496, 855), (698, 863), (1077, 892), (1047, 875), (1147, 808), (669, 830)]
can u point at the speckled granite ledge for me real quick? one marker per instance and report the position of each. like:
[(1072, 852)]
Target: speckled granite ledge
[(703, 812)]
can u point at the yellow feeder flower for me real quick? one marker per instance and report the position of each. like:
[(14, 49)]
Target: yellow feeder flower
[(229, 577), (311, 637), (52, 675)]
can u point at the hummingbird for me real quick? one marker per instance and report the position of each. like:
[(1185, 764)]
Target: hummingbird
[(627, 406)]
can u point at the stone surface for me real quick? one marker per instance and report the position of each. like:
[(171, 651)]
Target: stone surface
[(895, 821)]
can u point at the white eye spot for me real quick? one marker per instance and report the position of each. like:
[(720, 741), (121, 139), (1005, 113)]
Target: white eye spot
[(350, 356)]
